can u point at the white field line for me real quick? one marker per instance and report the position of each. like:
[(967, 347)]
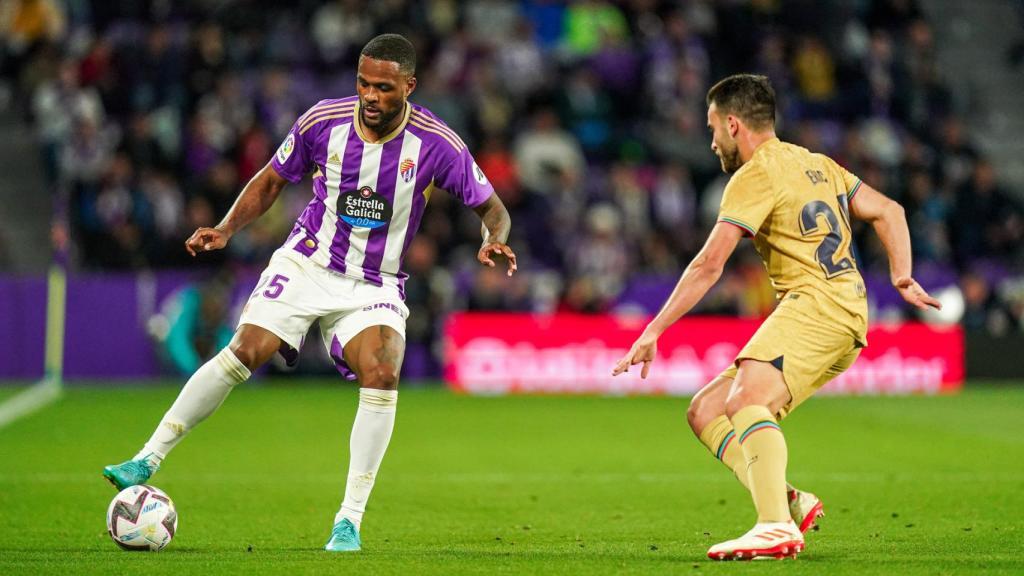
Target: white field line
[(33, 398)]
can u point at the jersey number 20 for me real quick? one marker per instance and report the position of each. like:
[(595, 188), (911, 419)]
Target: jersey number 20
[(826, 252)]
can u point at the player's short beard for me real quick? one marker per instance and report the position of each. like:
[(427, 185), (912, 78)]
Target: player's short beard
[(385, 117), (730, 158)]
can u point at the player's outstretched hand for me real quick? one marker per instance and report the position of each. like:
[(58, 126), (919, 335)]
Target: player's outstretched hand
[(497, 249), (643, 351), (912, 292), (205, 240)]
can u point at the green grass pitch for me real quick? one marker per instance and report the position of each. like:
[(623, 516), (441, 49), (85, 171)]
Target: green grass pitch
[(524, 485)]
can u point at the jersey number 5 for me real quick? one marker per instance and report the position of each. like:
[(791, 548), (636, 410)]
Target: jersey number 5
[(275, 287), (826, 252)]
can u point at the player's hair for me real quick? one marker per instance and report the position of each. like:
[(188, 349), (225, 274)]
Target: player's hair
[(392, 48), (747, 96)]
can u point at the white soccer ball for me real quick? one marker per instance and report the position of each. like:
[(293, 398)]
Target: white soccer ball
[(952, 300), (141, 518)]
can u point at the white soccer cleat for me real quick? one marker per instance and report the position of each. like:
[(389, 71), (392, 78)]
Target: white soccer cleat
[(805, 508), (765, 540)]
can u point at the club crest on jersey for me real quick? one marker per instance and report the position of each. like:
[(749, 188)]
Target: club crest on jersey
[(364, 208), (285, 150), (407, 169)]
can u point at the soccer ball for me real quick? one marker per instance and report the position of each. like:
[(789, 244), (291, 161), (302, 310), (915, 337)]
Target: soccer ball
[(141, 518), (952, 300)]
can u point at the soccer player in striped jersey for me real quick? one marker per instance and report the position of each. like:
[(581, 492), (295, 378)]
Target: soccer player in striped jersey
[(796, 206), (376, 158)]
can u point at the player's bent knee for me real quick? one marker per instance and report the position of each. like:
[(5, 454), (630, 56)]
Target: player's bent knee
[(250, 355), (381, 377), (693, 414), (707, 404), (253, 346), (700, 413)]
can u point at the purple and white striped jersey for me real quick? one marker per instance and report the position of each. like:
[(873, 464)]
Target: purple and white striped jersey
[(369, 197)]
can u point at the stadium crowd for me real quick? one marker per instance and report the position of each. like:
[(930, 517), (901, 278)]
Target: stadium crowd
[(587, 116)]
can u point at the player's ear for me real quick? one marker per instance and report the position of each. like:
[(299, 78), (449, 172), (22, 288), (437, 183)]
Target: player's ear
[(410, 86), (732, 124)]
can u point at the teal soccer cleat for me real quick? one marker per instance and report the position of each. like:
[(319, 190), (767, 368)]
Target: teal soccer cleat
[(344, 537), (130, 473)]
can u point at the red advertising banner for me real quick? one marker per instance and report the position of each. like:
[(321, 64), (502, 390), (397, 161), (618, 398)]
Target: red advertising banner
[(567, 353)]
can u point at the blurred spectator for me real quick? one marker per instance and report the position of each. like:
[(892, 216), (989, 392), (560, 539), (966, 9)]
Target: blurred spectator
[(599, 254), (983, 310), (590, 24), (1012, 292), (87, 152), (491, 289), (56, 105), (547, 157), (588, 112), (521, 62), (340, 28), (492, 23), (958, 154), (206, 58), (814, 72), (682, 138), (617, 65), (167, 206), (632, 200), (26, 27), (988, 222), (674, 207), (677, 68), (927, 211)]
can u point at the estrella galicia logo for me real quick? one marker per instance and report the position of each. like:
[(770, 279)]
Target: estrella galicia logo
[(364, 208)]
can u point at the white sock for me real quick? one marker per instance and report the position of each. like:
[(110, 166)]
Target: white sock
[(204, 392), (371, 432)]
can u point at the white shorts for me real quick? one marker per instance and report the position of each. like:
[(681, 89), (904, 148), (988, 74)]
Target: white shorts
[(293, 292)]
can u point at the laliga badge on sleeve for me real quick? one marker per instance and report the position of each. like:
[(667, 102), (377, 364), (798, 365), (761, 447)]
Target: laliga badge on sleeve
[(285, 150)]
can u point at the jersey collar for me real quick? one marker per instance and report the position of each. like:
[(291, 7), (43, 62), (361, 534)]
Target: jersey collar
[(765, 145), (391, 135)]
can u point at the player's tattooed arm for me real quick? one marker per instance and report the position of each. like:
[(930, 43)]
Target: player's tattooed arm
[(257, 196), (495, 230)]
